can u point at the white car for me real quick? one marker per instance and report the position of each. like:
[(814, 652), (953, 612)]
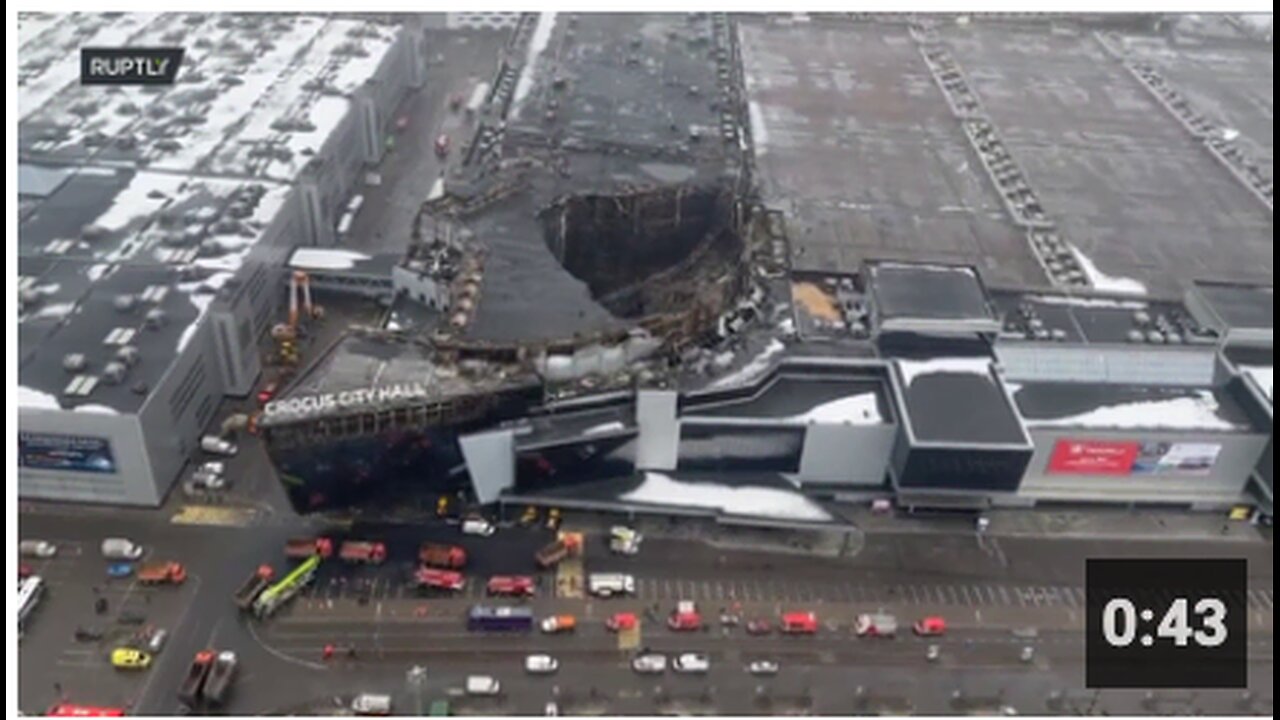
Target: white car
[(213, 467), (483, 685), (1028, 654), (551, 710), (540, 664), (763, 667), (650, 664), (121, 549), (371, 704), (217, 446), (156, 642), (692, 663), (478, 526), (37, 548), (933, 653)]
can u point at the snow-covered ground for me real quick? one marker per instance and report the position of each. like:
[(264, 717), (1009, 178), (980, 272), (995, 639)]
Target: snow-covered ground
[(912, 369), (661, 489), (1199, 412), (1261, 374), (1104, 282)]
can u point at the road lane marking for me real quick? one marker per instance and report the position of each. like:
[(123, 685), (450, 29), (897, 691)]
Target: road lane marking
[(967, 600), (915, 599), (951, 593), (1004, 595)]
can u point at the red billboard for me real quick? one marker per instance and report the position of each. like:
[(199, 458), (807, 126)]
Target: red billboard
[(1093, 457)]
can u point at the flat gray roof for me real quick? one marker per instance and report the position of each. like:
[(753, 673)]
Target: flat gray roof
[(1084, 318), (1098, 406), (801, 399), (926, 291), (1240, 306)]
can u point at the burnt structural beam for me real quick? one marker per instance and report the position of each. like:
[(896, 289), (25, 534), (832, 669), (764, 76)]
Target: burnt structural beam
[(1246, 168), (1021, 202)]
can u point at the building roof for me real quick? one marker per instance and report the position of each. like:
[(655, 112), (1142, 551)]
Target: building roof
[(908, 295), (1098, 406), (792, 398), (1075, 318)]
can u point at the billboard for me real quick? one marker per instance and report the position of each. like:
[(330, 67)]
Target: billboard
[(76, 453), (1111, 457)]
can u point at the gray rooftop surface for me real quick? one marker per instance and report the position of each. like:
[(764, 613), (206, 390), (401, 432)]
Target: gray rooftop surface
[(1126, 183), (1089, 318), (925, 291), (1241, 306), (793, 396), (858, 147), (1107, 405)]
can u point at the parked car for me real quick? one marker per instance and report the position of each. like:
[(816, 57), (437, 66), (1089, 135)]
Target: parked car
[(881, 506), (478, 526), (215, 445), (213, 467), (371, 704), (121, 549), (618, 622), (759, 626), (540, 664), (130, 659), (650, 664), (268, 392), (933, 653), (483, 685), (119, 570), (691, 663), (876, 625), (1027, 654), (930, 625), (157, 640), (762, 667), (799, 623), (37, 549), (88, 634)]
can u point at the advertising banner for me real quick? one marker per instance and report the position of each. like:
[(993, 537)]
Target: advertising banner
[(1109, 457), (1162, 458), (77, 453), (1093, 457)]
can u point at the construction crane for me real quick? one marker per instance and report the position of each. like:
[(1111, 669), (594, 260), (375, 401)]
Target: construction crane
[(286, 334)]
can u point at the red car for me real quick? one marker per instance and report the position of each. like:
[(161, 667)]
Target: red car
[(930, 625), (621, 621), (685, 617), (800, 623), (512, 585), (25, 571), (759, 626), (268, 392), (440, 579)]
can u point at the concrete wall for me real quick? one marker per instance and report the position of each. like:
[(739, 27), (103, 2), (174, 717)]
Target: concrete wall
[(1222, 486), (846, 454), (131, 484)]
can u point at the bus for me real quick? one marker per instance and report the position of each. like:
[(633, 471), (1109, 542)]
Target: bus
[(280, 593), (500, 619), (69, 710), (30, 591)]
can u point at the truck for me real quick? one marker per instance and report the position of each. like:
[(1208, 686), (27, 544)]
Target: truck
[(253, 587), (449, 557), (439, 579), (220, 677), (551, 555), (876, 625), (558, 624), (500, 619), (162, 573), (512, 585), (359, 551), (193, 683), (605, 585), (302, 548), (273, 597)]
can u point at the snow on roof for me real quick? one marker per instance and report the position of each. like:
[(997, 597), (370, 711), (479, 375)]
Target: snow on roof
[(30, 398), (1104, 282), (541, 36), (1197, 412), (661, 489), (758, 366), (307, 258), (1089, 302), (912, 369), (49, 58), (860, 409), (1261, 375), (138, 201), (615, 426)]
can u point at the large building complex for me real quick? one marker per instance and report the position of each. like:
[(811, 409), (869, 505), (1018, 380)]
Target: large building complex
[(748, 267)]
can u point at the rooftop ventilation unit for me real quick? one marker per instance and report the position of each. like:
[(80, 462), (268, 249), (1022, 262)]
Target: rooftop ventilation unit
[(74, 362), (81, 386), (155, 319), (119, 336), (123, 302), (113, 373), (128, 355)]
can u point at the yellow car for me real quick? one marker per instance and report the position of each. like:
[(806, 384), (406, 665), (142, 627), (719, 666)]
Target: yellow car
[(130, 658)]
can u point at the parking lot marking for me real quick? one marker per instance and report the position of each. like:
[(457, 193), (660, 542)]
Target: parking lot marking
[(951, 594)]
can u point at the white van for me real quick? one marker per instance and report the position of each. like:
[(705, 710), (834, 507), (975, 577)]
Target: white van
[(483, 685), (121, 549), (478, 526), (370, 704), (610, 584), (217, 446), (37, 548)]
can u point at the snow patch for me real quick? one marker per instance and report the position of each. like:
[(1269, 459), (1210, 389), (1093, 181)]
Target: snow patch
[(660, 489), (538, 43), (133, 203), (614, 426), (56, 310), (759, 133), (1261, 374), (29, 398), (1104, 282), (758, 365), (1185, 413), (325, 259), (855, 410), (96, 409), (911, 369), (1088, 302)]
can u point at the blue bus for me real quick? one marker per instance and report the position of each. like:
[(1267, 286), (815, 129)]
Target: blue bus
[(500, 619)]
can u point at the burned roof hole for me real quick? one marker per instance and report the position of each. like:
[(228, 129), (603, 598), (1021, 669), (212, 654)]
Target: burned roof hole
[(643, 252)]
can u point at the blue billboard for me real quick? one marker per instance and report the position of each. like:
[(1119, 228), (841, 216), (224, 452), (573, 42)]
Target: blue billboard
[(75, 453)]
